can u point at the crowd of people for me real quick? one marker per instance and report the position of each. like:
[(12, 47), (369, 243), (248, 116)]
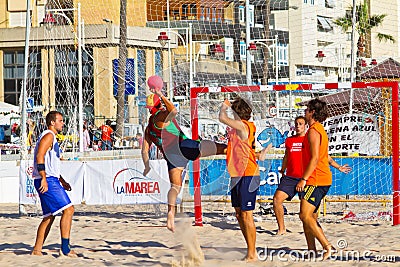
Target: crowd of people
[(94, 138)]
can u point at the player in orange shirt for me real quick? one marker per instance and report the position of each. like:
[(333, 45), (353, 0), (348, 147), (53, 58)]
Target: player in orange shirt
[(243, 168), (317, 176)]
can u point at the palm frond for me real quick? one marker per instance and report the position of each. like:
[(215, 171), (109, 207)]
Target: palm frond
[(376, 20), (385, 37), (343, 23)]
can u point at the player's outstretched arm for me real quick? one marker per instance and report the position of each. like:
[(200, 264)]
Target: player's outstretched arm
[(343, 168)]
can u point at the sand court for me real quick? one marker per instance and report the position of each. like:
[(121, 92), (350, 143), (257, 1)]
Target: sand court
[(130, 235)]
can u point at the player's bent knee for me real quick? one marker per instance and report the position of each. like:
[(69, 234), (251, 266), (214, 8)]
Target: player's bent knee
[(208, 148), (69, 211)]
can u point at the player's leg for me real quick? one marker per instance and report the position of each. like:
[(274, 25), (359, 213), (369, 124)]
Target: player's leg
[(307, 218), (248, 187), (278, 199), (42, 233), (175, 177), (209, 148), (65, 229), (249, 233), (312, 229)]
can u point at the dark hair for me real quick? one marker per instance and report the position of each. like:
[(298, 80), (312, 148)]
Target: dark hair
[(242, 108), (51, 116), (300, 118), (108, 122), (320, 107)]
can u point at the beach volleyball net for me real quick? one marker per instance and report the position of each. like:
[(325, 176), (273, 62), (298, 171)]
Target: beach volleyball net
[(363, 131)]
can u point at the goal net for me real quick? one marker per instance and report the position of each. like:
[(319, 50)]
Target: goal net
[(363, 131)]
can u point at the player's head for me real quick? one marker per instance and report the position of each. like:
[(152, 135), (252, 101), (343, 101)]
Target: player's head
[(300, 125), (155, 82), (242, 108), (317, 109), (55, 119), (153, 103)]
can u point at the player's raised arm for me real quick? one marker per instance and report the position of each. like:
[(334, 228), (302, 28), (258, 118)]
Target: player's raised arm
[(236, 124)]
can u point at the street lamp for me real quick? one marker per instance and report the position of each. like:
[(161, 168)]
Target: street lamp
[(163, 39), (218, 51), (339, 59), (252, 49), (320, 56), (48, 21)]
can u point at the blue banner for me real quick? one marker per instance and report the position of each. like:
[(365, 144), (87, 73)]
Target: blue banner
[(370, 176), (129, 76)]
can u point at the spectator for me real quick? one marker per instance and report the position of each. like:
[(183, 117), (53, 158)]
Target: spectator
[(86, 138), (106, 132), (139, 139)]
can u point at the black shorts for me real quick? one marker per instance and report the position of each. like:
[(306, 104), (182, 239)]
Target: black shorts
[(288, 186), (188, 150), (314, 194), (244, 192)]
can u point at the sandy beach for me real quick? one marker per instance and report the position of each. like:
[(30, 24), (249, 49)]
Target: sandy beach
[(136, 236)]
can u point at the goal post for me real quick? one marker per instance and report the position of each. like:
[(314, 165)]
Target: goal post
[(363, 101)]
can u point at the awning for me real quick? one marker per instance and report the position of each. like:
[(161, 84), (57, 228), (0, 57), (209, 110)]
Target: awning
[(324, 22), (6, 108), (365, 100)]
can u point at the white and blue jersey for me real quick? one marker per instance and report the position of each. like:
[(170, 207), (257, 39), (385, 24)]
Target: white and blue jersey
[(51, 158)]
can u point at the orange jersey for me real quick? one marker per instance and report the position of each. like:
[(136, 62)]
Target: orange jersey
[(240, 155), (322, 175)]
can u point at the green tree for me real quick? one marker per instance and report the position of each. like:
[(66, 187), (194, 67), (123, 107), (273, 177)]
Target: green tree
[(364, 23)]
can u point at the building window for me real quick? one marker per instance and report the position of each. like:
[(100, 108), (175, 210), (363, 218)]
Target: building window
[(242, 14), (13, 76), (202, 13), (214, 14), (67, 80), (158, 63), (243, 50), (305, 1), (208, 14), (283, 55)]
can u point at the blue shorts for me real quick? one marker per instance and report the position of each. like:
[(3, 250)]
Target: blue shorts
[(188, 150), (314, 194), (288, 186), (55, 199), (244, 192)]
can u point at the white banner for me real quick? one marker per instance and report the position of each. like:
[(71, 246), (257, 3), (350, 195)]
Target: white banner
[(71, 171), (356, 133), (106, 182), (121, 182), (9, 173)]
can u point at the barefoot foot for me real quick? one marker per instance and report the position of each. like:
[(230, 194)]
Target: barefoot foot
[(327, 252), (37, 253), (281, 232), (71, 254), (170, 221), (250, 258)]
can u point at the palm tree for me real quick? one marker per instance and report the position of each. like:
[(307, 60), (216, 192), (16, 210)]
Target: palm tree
[(364, 23)]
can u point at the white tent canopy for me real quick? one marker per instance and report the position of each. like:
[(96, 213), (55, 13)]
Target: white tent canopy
[(6, 108)]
